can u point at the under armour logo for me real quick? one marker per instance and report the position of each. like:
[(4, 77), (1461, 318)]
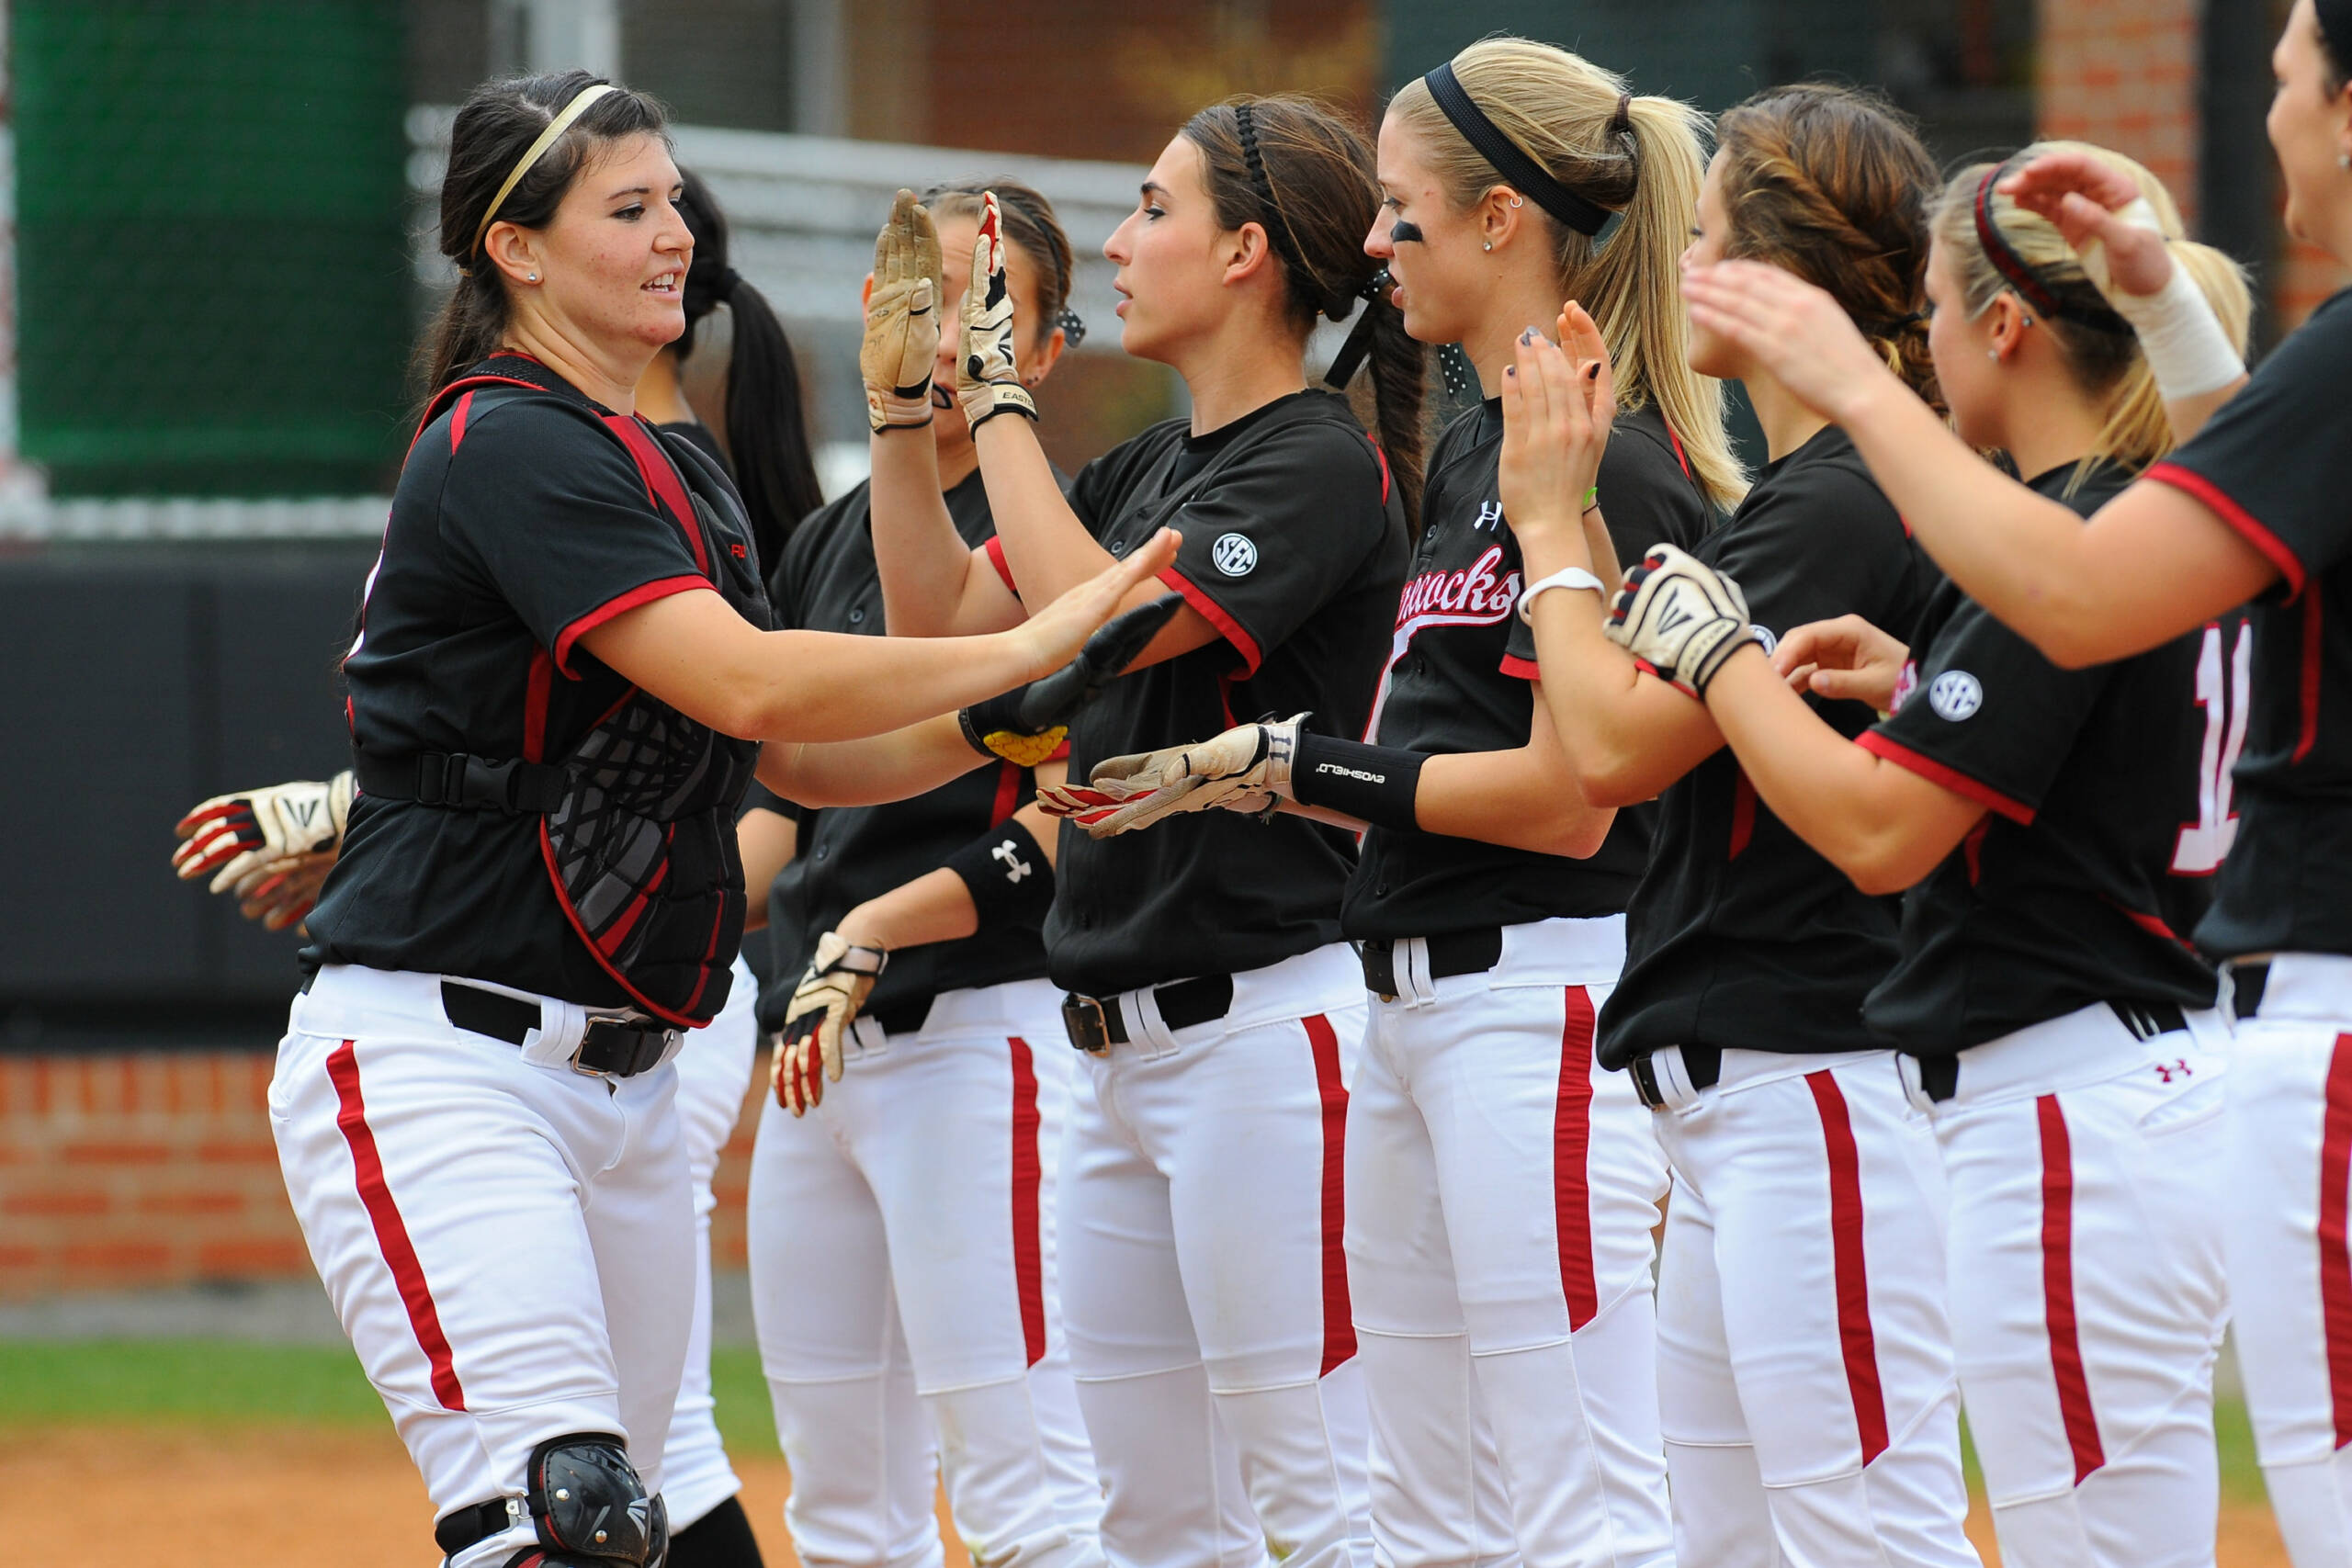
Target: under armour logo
[(1490, 514), (1015, 868), (2167, 1070)]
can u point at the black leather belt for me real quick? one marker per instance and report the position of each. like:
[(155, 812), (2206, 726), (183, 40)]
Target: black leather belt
[(1703, 1064), (612, 1047), (1454, 953), (1097, 1023), (1940, 1075), (2247, 982)]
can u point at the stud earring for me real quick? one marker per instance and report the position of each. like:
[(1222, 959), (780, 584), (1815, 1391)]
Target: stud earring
[(2343, 160), (531, 278), (1992, 353), (1490, 245)]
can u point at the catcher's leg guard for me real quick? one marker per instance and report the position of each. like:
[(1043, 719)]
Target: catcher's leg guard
[(585, 1501)]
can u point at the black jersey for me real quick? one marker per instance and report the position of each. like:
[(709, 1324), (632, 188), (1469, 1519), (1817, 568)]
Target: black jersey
[(2275, 464), (2093, 853), (520, 523), (1740, 935), (1459, 666), (828, 582), (1293, 548)]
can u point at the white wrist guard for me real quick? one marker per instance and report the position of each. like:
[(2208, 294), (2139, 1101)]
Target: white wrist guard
[(2188, 351), (1567, 576)]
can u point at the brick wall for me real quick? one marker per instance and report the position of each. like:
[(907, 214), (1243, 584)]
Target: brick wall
[(123, 1172)]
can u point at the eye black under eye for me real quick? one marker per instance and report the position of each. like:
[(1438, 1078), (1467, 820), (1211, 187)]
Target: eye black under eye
[(1404, 231)]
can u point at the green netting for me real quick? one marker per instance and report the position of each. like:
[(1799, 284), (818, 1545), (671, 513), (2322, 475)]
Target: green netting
[(212, 272)]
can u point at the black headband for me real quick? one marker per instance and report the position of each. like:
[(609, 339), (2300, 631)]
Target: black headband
[(1333, 303), (1509, 161), (2030, 285)]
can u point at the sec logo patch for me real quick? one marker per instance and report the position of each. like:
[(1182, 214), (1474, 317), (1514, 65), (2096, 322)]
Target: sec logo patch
[(1234, 555), (1955, 695)]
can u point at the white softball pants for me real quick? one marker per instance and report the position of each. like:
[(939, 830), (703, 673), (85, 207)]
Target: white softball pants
[(903, 1285), (509, 1244), (1204, 1283), (2086, 1169), (1805, 1381), (713, 1070), (2287, 1196), (1502, 1191)]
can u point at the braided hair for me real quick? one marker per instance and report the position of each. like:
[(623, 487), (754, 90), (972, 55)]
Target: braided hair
[(1833, 184)]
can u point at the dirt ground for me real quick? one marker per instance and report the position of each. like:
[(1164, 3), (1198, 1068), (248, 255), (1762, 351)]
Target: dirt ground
[(233, 1499)]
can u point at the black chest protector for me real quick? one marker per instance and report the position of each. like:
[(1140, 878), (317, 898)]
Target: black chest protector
[(637, 821)]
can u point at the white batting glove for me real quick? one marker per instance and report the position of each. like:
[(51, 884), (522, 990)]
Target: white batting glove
[(1679, 615), (901, 320), (1246, 769), (987, 382), (839, 980), (234, 836), (280, 892)]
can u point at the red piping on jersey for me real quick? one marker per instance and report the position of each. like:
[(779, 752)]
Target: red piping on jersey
[(1854, 1333), (2334, 1265), (1971, 849), (1339, 1318), (1743, 814), (1028, 1182), (662, 485), (1679, 456), (1944, 776), (458, 422), (1008, 792), (2153, 925), (1571, 1154), (2058, 1288), (643, 594), (391, 1230), (2308, 691), (1217, 616), (994, 550), (535, 705), (1382, 458), (2239, 520), (1521, 669), (571, 916)]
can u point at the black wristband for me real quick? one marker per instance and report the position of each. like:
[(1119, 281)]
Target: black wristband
[(1370, 784), (1010, 879)]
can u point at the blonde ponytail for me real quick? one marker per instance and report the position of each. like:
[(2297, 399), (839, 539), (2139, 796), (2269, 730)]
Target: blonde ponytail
[(1642, 157), (2105, 360)]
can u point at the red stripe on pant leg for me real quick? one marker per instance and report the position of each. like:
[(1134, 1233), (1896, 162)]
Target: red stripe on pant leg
[(391, 1232), (1571, 1153), (1338, 1316), (2058, 1288), (2334, 1268), (1028, 1180), (1854, 1336)]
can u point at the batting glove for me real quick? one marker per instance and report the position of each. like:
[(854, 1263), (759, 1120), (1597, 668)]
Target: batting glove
[(1679, 616), (839, 980), (1246, 769), (987, 382), (901, 320), (280, 892), (1028, 723), (234, 836)]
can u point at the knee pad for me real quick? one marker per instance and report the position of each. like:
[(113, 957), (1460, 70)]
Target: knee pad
[(588, 1506)]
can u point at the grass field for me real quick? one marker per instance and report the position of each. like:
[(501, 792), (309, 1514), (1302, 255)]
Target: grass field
[(191, 1451)]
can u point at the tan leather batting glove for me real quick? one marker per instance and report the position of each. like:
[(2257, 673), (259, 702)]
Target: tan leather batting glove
[(281, 892), (1681, 616), (234, 836), (987, 382), (839, 980), (901, 320), (1246, 769)]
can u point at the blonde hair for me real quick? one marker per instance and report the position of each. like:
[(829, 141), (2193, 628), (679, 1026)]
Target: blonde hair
[(1642, 157), (2106, 361)]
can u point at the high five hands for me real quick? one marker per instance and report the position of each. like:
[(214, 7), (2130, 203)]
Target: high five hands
[(1559, 403)]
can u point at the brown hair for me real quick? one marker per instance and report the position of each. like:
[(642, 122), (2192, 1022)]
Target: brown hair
[(1027, 222), (494, 126), (1642, 157), (2107, 364), (1832, 184), (1321, 188)]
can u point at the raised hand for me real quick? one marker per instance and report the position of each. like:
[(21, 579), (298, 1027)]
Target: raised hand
[(987, 380), (1791, 329), (2099, 209), (901, 320), (1057, 632), (1845, 658), (1557, 410)]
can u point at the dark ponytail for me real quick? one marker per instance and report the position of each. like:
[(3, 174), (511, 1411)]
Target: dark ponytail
[(767, 427), (494, 128), (1319, 199)]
